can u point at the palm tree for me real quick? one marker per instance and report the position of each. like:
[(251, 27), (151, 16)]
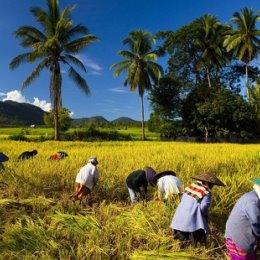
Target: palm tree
[(139, 63), (244, 40), (209, 42), (55, 43)]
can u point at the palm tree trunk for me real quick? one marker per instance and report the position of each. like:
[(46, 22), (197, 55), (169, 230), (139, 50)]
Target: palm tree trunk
[(247, 90), (56, 124), (142, 112), (55, 89), (208, 77)]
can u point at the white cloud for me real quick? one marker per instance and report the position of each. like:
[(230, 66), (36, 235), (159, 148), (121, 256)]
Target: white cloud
[(71, 114), (119, 90), (17, 96), (42, 104), (95, 69)]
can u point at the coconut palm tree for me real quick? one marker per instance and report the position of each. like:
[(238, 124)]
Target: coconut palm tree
[(244, 40), (209, 43), (55, 43), (139, 64)]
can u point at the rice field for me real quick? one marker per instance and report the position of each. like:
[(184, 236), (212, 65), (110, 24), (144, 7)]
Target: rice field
[(38, 221)]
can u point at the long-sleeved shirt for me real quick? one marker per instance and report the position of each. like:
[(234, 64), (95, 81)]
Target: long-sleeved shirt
[(88, 175), (169, 185), (136, 180), (243, 224), (191, 214)]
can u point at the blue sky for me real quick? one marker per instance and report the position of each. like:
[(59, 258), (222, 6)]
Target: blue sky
[(110, 21)]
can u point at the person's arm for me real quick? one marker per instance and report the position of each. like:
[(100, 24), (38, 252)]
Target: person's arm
[(205, 203), (95, 179), (253, 214)]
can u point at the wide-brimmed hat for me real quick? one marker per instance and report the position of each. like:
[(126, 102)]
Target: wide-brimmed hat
[(209, 177), (162, 174), (3, 157), (150, 172), (93, 159), (256, 180)]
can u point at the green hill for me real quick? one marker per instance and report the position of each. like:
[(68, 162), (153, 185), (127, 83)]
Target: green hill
[(125, 120), (87, 120), (20, 114)]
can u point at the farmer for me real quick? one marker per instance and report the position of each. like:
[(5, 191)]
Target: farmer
[(137, 183), (58, 156), (190, 221), (3, 158), (168, 184), (243, 226), (86, 179), (27, 155)]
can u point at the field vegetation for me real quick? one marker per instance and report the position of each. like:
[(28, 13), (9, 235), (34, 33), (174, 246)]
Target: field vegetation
[(38, 221)]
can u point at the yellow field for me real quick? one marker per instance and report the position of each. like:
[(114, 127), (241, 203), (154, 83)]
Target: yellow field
[(37, 220)]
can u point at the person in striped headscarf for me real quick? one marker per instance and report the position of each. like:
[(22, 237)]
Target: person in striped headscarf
[(190, 221)]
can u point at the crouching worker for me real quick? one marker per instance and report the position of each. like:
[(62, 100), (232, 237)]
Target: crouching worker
[(86, 180), (27, 155), (3, 158), (168, 184), (190, 221), (58, 156), (243, 226), (137, 183)]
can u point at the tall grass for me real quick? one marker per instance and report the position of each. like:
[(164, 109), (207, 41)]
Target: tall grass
[(38, 221)]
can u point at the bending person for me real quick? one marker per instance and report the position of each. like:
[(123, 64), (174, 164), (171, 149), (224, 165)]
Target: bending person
[(190, 221), (86, 179), (137, 183), (243, 226), (168, 184)]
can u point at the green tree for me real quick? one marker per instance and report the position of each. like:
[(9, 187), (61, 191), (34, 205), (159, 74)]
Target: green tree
[(244, 41), (64, 119), (209, 43), (139, 63), (55, 42), (254, 99)]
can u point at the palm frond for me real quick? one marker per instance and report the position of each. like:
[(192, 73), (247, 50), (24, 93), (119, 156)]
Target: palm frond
[(70, 58), (80, 82), (80, 43), (121, 66), (35, 73), (127, 54), (22, 58)]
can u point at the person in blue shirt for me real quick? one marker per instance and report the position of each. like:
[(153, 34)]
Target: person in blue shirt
[(190, 221), (243, 226)]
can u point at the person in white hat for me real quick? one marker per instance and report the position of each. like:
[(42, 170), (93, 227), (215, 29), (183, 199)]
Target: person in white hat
[(86, 179)]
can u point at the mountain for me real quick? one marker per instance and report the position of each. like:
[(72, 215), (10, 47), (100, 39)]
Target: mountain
[(20, 114), (125, 120), (24, 114), (86, 120)]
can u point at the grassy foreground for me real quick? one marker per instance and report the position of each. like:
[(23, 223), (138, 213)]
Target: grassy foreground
[(38, 221)]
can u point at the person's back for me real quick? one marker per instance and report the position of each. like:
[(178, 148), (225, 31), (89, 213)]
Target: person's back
[(244, 216), (88, 175), (136, 179), (169, 185), (27, 155)]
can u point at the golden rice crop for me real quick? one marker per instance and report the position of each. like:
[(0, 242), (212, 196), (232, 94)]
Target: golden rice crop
[(38, 221)]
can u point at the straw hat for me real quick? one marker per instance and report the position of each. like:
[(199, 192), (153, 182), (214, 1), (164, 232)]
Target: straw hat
[(150, 172), (162, 174), (93, 159), (209, 177)]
